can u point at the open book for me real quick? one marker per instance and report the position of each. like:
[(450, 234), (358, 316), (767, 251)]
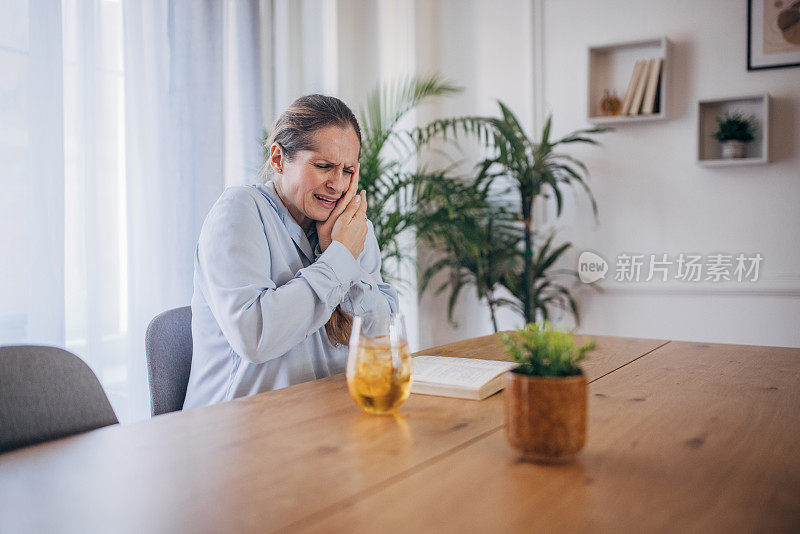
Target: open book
[(465, 378)]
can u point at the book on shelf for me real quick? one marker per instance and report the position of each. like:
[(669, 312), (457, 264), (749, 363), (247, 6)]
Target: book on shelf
[(636, 101), (626, 103), (653, 82), (464, 378)]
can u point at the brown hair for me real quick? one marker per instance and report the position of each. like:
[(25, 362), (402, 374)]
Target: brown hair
[(294, 131)]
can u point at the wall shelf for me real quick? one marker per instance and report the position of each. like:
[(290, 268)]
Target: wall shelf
[(708, 148), (611, 67)]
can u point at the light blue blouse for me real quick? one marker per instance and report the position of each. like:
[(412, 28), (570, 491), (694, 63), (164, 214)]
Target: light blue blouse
[(263, 293)]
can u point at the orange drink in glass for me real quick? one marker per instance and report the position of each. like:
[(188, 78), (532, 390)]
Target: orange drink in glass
[(379, 363)]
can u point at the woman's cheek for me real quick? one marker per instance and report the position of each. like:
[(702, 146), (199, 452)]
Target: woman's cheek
[(320, 178)]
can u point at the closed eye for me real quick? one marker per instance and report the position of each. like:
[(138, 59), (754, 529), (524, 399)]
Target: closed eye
[(328, 166)]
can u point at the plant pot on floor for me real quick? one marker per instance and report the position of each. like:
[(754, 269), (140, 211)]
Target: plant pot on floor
[(546, 416)]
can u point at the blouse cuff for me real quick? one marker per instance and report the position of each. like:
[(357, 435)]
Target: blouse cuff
[(344, 265), (333, 274)]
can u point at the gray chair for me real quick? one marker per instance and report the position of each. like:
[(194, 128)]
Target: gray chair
[(168, 345), (47, 393)]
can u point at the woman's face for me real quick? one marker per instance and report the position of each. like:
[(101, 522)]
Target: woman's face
[(313, 181)]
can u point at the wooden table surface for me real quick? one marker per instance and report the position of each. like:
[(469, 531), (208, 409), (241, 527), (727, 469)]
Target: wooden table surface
[(682, 437)]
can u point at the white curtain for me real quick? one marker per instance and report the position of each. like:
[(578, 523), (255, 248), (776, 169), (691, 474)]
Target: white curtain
[(121, 123), (32, 174)]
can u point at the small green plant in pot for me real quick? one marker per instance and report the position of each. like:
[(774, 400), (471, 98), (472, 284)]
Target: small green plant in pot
[(546, 395), (734, 131)]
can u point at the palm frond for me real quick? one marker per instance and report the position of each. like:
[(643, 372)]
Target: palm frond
[(388, 103)]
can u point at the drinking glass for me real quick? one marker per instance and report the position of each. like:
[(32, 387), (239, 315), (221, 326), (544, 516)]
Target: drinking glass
[(379, 363)]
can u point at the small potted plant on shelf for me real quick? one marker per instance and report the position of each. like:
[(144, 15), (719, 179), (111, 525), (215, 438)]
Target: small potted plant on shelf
[(734, 130), (546, 395)]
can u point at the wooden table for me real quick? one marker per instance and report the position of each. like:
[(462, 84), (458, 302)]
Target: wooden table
[(682, 437)]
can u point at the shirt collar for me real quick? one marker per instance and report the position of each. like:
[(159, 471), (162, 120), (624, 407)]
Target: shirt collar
[(295, 231)]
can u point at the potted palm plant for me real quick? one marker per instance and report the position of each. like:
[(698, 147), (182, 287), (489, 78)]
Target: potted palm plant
[(546, 395), (534, 168), (482, 247), (734, 131), (474, 237)]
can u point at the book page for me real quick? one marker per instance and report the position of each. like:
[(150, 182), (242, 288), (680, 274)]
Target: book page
[(461, 372)]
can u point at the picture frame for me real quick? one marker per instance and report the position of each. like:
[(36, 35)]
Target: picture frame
[(773, 34)]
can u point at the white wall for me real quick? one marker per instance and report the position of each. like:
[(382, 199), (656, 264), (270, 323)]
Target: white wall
[(654, 198)]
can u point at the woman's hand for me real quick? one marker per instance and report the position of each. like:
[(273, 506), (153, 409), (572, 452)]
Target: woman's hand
[(325, 228), (350, 228)]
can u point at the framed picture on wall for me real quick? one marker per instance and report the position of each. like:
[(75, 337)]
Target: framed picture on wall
[(773, 34)]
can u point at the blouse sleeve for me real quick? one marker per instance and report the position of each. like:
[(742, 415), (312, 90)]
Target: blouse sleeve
[(260, 320), (370, 293)]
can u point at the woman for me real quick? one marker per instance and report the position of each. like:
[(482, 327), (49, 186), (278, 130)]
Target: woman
[(281, 268)]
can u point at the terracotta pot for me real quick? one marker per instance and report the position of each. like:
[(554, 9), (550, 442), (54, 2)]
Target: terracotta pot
[(546, 416)]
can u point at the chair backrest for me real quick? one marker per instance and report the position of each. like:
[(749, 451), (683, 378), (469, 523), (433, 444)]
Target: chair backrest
[(168, 344), (47, 393)]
